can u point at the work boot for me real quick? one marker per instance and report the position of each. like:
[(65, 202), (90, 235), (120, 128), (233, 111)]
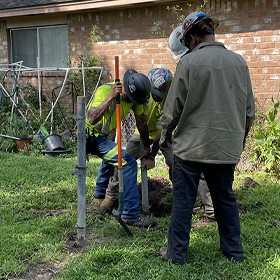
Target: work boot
[(139, 222), (107, 205), (163, 253), (205, 221), (98, 197), (197, 210)]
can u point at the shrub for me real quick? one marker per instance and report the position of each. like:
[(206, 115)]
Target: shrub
[(267, 138)]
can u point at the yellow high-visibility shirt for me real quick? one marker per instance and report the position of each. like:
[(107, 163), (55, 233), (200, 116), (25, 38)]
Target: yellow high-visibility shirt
[(101, 93), (153, 112)]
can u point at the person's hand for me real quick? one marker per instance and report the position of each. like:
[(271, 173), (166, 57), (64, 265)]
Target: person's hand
[(164, 146), (148, 164), (145, 154), (116, 90)]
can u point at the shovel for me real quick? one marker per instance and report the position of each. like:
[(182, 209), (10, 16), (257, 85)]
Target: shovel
[(117, 213)]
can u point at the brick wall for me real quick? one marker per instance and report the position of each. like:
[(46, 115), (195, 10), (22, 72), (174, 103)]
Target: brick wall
[(3, 43), (250, 28)]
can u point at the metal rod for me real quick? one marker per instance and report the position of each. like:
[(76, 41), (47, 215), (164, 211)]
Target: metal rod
[(83, 76), (81, 226), (11, 137), (144, 184)]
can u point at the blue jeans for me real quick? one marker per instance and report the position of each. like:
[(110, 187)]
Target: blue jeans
[(107, 150), (219, 178)]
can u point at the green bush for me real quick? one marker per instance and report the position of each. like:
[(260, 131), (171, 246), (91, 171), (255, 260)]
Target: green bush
[(267, 150)]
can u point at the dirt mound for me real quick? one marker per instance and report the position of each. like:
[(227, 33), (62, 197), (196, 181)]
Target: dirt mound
[(159, 194)]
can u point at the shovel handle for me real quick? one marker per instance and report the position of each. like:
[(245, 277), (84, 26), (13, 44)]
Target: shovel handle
[(118, 112), (117, 68)]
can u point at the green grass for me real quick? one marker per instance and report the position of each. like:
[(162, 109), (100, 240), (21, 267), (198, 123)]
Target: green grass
[(30, 187)]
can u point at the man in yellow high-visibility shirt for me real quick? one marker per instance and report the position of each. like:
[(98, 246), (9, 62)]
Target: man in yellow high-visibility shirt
[(101, 121), (160, 79)]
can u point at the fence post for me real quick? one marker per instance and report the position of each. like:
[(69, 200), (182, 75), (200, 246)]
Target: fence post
[(81, 147)]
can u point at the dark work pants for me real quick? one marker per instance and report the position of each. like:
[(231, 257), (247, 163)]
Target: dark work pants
[(219, 178)]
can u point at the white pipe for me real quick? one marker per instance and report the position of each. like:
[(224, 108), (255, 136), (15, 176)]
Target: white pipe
[(7, 136), (66, 75), (51, 120)]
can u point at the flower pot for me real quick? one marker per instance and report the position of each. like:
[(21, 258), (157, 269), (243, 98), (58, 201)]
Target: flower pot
[(22, 142), (54, 142)]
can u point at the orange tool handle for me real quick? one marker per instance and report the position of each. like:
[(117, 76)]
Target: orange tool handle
[(117, 68), (118, 111)]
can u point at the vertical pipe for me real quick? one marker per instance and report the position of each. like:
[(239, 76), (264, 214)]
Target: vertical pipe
[(81, 226), (83, 75), (144, 184), (51, 121)]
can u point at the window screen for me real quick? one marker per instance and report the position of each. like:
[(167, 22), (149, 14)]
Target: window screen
[(24, 46), (40, 47)]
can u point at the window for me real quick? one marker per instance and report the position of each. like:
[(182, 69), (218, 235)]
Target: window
[(40, 47)]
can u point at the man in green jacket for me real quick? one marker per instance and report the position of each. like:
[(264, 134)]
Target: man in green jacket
[(178, 51), (212, 105)]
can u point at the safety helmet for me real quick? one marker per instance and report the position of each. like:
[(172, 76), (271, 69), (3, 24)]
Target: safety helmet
[(178, 50), (161, 79), (137, 86), (190, 21)]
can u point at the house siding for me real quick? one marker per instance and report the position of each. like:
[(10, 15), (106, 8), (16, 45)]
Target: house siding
[(248, 27)]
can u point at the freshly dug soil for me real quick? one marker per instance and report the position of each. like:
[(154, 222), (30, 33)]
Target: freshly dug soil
[(159, 194)]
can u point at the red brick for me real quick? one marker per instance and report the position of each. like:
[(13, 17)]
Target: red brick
[(270, 89), (246, 46), (256, 52), (257, 14), (257, 76), (264, 32), (266, 45), (157, 50), (272, 63)]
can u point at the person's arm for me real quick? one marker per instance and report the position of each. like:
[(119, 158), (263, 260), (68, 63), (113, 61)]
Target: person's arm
[(142, 126), (150, 162), (95, 114), (250, 109), (174, 104)]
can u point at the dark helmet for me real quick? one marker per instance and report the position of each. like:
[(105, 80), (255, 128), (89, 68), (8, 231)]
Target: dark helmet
[(137, 86), (161, 79)]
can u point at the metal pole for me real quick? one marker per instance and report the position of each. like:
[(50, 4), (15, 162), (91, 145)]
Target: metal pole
[(144, 184), (81, 226)]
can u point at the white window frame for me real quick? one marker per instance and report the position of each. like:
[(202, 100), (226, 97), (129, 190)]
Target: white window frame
[(39, 58)]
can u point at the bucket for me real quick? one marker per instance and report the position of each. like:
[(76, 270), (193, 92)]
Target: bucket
[(54, 142)]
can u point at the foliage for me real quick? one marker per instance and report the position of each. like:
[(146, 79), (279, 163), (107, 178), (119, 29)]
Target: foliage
[(95, 34), (36, 116), (86, 61), (179, 14), (267, 150), (31, 96), (17, 126), (5, 104)]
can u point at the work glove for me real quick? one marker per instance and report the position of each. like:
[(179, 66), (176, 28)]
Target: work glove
[(148, 164)]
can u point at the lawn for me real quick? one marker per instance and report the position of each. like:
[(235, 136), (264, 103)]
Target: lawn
[(38, 214)]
